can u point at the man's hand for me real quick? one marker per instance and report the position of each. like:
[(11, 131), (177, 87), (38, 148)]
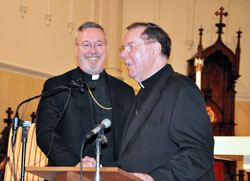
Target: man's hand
[(87, 162), (143, 176)]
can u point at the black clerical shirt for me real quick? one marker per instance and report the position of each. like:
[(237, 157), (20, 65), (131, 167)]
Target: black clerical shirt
[(100, 91)]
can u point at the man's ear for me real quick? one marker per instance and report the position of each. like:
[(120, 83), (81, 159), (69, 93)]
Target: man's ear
[(157, 49)]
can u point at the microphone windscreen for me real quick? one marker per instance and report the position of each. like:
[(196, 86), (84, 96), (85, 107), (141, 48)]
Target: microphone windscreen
[(106, 122)]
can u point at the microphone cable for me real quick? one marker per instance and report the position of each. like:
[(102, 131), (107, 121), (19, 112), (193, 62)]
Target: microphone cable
[(82, 147), (60, 88)]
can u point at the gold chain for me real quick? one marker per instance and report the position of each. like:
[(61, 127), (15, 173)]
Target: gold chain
[(107, 108)]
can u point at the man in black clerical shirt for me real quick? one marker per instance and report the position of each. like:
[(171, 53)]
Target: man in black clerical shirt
[(168, 134), (65, 117)]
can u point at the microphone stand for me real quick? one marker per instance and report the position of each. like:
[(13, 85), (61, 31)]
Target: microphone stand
[(25, 125), (100, 139)]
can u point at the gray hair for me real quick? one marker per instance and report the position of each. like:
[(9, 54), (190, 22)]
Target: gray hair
[(87, 25)]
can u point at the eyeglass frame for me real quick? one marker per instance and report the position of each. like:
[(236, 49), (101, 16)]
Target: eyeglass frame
[(132, 46), (87, 45)]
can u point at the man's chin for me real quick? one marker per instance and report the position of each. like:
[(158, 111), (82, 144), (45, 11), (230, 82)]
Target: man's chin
[(95, 71), (131, 75)]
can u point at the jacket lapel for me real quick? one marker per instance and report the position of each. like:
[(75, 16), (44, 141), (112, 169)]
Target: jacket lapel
[(133, 123)]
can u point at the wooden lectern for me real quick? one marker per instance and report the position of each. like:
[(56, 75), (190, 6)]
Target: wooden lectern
[(73, 173)]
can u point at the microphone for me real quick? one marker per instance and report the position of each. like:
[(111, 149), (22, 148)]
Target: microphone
[(15, 125), (106, 123), (79, 83), (16, 122)]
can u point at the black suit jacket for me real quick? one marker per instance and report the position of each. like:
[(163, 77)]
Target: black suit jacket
[(171, 137), (60, 136)]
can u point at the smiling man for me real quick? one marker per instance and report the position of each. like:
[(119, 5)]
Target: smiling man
[(168, 134), (91, 50), (64, 119)]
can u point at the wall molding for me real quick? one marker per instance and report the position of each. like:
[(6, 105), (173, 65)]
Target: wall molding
[(244, 97), (23, 70)]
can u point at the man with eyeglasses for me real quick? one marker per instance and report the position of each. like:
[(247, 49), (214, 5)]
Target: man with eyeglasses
[(65, 117), (168, 133)]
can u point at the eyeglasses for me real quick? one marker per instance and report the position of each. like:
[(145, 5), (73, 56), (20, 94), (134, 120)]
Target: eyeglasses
[(131, 46), (88, 45)]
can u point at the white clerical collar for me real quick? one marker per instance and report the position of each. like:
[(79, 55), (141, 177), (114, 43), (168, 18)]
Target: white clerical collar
[(95, 77), (142, 86)]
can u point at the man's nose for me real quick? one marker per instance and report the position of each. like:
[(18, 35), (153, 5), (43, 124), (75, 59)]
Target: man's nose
[(124, 54), (92, 48)]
